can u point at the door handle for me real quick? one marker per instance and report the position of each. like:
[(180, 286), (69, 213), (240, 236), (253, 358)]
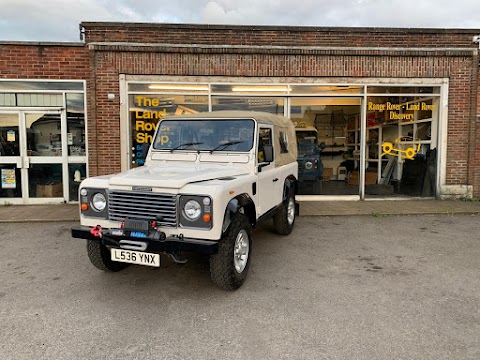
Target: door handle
[(275, 179)]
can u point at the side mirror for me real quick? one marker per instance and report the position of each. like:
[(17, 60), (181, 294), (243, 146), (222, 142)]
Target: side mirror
[(322, 146), (268, 153)]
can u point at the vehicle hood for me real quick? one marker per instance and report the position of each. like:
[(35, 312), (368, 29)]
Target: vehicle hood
[(175, 176)]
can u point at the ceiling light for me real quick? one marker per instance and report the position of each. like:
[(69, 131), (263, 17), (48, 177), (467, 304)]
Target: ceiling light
[(240, 88), (186, 87)]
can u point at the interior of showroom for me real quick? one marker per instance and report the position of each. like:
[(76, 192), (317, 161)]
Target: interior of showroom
[(386, 133)]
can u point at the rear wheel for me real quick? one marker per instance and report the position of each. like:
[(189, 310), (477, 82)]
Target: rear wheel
[(284, 219), (99, 256), (229, 267)]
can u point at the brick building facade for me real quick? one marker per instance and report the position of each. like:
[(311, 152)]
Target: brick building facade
[(116, 55)]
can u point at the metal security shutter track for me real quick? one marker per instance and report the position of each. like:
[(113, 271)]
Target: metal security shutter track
[(142, 205)]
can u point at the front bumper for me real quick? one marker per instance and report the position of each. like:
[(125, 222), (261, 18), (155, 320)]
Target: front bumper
[(167, 245)]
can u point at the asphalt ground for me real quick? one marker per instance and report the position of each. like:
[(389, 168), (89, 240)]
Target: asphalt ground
[(349, 287)]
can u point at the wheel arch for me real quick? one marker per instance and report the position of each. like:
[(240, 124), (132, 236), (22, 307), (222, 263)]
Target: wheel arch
[(236, 204), (290, 184)]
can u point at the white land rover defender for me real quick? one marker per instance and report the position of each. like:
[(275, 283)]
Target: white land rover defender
[(208, 180)]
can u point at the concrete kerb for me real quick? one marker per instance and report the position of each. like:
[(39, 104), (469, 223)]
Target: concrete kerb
[(70, 212)]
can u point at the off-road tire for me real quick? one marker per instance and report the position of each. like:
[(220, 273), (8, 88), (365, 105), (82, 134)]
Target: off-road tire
[(99, 256), (222, 265), (281, 221)]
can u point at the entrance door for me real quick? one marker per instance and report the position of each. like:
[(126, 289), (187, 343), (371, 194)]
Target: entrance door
[(32, 157)]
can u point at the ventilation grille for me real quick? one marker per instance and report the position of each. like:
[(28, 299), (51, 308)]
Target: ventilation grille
[(143, 205)]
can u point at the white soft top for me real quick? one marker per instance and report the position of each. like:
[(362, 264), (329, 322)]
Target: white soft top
[(280, 124)]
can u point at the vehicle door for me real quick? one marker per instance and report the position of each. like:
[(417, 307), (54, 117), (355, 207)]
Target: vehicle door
[(268, 176)]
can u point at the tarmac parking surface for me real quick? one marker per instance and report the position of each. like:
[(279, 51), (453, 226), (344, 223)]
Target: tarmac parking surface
[(359, 287)]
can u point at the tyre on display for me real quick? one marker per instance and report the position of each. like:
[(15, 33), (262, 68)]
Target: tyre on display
[(99, 256), (229, 267), (284, 218)]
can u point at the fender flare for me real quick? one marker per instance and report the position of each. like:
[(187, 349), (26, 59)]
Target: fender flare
[(290, 184), (242, 201)]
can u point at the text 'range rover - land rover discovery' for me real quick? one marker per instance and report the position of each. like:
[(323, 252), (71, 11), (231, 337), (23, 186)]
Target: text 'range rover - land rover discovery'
[(208, 180)]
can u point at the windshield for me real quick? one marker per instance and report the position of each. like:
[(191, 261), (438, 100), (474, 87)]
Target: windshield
[(307, 142), (205, 135)]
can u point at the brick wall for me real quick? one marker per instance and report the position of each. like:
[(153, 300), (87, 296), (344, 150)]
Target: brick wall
[(461, 148), (43, 61), (280, 36), (476, 145)]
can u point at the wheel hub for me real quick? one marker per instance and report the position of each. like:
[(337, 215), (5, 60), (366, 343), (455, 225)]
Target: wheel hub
[(290, 211), (241, 251)]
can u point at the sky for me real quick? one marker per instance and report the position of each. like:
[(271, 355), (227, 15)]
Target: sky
[(58, 20)]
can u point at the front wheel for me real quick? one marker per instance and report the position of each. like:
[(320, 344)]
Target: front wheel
[(99, 256), (229, 267), (284, 218)]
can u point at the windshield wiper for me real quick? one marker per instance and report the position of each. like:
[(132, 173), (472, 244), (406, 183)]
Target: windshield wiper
[(185, 145), (224, 146)]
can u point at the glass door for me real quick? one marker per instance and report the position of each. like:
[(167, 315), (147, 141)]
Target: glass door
[(10, 159), (43, 156), (32, 159)]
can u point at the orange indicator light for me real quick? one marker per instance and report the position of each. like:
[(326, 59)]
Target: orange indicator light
[(84, 207), (206, 217)]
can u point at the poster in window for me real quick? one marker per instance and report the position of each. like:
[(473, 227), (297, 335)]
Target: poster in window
[(11, 136), (8, 179)]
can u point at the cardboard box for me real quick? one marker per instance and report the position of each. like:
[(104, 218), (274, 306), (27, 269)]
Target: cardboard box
[(50, 190), (327, 174), (370, 178)]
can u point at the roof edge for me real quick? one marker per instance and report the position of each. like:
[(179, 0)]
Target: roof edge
[(42, 43), (222, 27)]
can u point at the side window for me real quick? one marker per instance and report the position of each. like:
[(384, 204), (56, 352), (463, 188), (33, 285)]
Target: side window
[(264, 138), (283, 142)]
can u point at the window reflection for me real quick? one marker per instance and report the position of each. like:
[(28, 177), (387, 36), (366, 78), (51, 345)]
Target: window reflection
[(44, 137), (76, 173), (75, 125)]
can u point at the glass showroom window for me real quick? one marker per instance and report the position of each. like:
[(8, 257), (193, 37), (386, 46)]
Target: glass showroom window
[(325, 151), (401, 144), (50, 118)]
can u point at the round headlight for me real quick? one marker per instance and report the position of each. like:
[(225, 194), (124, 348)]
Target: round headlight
[(83, 192), (99, 202), (308, 165), (192, 210)]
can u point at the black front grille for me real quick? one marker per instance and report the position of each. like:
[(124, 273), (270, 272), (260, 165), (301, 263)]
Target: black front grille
[(143, 205)]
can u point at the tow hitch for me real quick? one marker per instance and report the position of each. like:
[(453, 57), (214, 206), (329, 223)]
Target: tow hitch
[(96, 231)]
